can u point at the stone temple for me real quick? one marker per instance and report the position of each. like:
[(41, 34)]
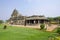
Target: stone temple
[(18, 19)]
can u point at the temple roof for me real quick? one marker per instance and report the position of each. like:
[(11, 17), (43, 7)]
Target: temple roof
[(35, 17)]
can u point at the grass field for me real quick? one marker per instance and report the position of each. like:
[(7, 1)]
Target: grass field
[(18, 33)]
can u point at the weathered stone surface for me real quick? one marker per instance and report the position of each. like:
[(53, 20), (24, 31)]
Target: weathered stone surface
[(18, 19)]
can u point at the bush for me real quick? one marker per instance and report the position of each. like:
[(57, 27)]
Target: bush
[(58, 30), (42, 26)]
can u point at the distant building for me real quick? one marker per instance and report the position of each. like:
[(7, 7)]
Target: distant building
[(18, 19)]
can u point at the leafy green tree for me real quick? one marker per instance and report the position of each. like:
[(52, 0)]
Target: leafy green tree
[(1, 21), (58, 19), (51, 19)]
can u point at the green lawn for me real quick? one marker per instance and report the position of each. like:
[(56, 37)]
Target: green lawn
[(18, 33)]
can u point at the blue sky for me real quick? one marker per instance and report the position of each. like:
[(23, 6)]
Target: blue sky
[(49, 8)]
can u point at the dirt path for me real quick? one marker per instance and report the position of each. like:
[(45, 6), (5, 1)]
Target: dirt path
[(51, 28), (37, 26)]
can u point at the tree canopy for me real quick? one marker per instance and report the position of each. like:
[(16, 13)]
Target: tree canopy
[(1, 21)]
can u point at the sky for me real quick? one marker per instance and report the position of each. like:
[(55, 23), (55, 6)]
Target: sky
[(48, 8)]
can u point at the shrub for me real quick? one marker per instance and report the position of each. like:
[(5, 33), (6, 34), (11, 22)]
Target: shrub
[(58, 30), (42, 26)]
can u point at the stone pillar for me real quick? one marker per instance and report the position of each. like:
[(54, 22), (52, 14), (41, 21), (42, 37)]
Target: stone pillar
[(34, 21), (29, 21), (38, 22), (44, 21), (25, 23)]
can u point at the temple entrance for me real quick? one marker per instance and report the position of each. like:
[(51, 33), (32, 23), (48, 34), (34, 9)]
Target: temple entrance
[(41, 21), (36, 21), (29, 21)]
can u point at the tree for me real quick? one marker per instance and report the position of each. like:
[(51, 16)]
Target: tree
[(58, 19), (1, 21), (51, 19)]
